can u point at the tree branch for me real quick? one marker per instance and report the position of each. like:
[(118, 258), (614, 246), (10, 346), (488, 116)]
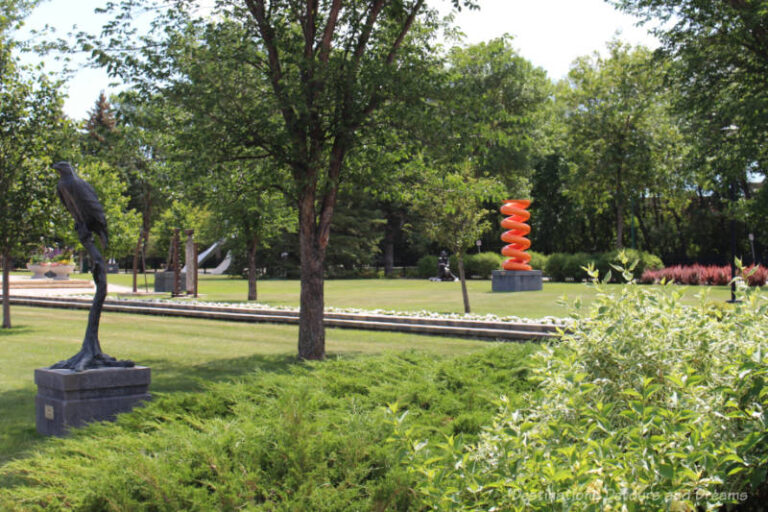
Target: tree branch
[(256, 8), (406, 28), (330, 28)]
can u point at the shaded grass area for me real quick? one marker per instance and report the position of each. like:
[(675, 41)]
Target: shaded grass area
[(411, 294), (185, 355)]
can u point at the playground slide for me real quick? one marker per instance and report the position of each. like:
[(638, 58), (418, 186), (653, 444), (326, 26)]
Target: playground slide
[(224, 265), (203, 256), (515, 236)]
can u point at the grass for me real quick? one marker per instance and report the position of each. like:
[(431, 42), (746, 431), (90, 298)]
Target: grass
[(184, 355), (409, 294)]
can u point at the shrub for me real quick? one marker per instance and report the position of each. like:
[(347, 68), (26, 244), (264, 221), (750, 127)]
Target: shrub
[(756, 276), (482, 264), (704, 275), (644, 261), (538, 260), (571, 266), (556, 266), (647, 404), (301, 436), (575, 265), (427, 266)]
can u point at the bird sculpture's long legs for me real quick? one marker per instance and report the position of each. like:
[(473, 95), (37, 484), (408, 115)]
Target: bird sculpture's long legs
[(90, 355)]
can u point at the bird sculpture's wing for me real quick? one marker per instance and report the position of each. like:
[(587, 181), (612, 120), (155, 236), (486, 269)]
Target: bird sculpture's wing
[(80, 199), (67, 195), (93, 212)]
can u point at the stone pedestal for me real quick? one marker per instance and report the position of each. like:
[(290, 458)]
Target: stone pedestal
[(67, 399), (516, 280), (164, 281)]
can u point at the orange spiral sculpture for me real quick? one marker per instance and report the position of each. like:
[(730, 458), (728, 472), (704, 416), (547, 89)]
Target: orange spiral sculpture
[(515, 236)]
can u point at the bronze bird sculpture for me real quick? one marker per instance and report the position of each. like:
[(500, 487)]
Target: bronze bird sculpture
[(80, 199)]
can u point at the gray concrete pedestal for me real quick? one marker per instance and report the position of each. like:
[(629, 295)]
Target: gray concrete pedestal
[(516, 280), (67, 399), (164, 282)]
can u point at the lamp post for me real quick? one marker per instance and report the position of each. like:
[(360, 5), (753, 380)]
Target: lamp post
[(733, 247), (729, 131)]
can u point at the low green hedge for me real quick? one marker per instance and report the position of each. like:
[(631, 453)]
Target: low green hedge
[(480, 265), (563, 266), (538, 260)]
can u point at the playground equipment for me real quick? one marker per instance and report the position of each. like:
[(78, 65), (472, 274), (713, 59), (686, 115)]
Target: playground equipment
[(206, 254), (517, 258)]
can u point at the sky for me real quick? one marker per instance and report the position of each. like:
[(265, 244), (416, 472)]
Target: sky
[(549, 33)]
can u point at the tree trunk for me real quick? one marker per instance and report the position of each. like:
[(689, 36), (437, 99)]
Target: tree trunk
[(311, 328), (136, 254), (619, 224), (462, 278), (389, 256), (252, 268), (390, 233), (6, 290)]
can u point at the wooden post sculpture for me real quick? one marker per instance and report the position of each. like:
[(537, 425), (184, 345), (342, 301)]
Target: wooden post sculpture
[(175, 263), (189, 261)]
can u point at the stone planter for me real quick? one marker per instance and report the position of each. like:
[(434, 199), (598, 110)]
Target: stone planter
[(38, 269), (62, 271)]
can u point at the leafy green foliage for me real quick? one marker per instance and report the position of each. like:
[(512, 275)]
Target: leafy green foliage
[(450, 207), (483, 264), (183, 215), (30, 116), (538, 260), (625, 143), (562, 266), (305, 437), (645, 404)]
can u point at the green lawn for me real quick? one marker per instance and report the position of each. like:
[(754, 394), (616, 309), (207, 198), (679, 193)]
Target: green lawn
[(407, 294), (183, 354)]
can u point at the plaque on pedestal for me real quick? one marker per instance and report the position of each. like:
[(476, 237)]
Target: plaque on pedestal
[(67, 399), (516, 280)]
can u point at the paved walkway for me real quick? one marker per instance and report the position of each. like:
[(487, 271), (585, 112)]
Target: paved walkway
[(52, 290)]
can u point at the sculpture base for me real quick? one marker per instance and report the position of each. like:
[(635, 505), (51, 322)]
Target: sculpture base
[(164, 282), (516, 280), (67, 399)]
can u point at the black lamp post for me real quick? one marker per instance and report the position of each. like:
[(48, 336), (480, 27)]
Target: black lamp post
[(733, 248), (729, 131)]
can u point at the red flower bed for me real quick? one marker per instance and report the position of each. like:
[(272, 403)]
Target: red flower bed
[(704, 275)]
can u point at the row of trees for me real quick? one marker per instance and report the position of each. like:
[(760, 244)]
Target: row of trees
[(343, 133)]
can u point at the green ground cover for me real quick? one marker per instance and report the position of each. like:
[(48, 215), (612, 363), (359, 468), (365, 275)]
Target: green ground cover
[(184, 354), (650, 403), (411, 294)]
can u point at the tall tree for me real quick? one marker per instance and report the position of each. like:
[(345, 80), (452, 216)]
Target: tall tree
[(30, 113), (621, 132), (720, 55), (100, 126), (319, 70)]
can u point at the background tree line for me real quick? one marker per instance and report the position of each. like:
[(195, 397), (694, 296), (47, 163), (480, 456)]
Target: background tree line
[(327, 138)]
